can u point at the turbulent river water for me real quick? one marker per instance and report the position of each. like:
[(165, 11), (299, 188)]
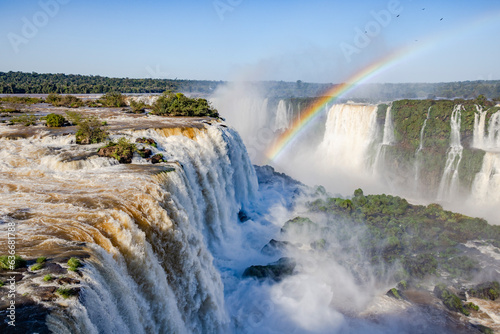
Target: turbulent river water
[(164, 246)]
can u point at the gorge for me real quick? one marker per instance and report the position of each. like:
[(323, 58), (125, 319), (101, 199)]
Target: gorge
[(164, 247)]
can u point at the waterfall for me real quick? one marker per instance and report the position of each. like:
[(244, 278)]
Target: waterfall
[(420, 148), (449, 180), (387, 139), (486, 184), (149, 231), (283, 116), (479, 127), (350, 129), (482, 139)]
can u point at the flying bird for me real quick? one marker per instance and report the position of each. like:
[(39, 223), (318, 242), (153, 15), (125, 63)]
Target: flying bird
[(441, 19)]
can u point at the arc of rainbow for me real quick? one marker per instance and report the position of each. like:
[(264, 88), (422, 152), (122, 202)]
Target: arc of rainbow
[(314, 110), (300, 123)]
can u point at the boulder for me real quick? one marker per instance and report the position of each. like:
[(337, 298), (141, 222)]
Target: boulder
[(147, 141), (275, 271), (115, 152)]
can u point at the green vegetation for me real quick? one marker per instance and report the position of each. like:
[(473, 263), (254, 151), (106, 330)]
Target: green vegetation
[(422, 239), (73, 117), (449, 299), (25, 120), (488, 290), (113, 99), (65, 292), (48, 278), (122, 150), (55, 120), (41, 259), (68, 101), (36, 266), (7, 262), (90, 131), (177, 104), (2, 283), (74, 263), (138, 106), (20, 100), (472, 306)]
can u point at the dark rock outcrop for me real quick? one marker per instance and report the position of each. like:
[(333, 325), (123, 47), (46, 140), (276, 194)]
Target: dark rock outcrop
[(123, 156), (275, 271)]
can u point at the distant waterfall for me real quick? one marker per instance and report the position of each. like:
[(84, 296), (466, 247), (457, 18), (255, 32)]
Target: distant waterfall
[(486, 140), (350, 129), (486, 185), (449, 180), (387, 138), (283, 116), (419, 149)]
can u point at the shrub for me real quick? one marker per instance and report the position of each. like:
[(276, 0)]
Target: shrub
[(41, 259), (55, 120), (74, 117), (65, 292), (36, 266), (74, 263), (123, 150), (69, 101), (138, 106), (113, 99), (48, 278), (171, 104), (26, 120), (2, 283), (7, 262), (90, 131)]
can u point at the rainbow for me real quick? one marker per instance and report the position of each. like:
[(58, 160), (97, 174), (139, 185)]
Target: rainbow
[(299, 125)]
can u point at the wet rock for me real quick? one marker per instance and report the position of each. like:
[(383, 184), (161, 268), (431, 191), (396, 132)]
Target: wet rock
[(46, 293), (157, 158), (54, 268), (123, 156), (275, 271), (242, 216), (144, 152), (147, 141), (274, 247), (395, 293), (67, 280)]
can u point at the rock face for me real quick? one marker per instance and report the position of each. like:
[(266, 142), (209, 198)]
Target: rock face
[(145, 140), (123, 157), (157, 158), (275, 271), (274, 247)]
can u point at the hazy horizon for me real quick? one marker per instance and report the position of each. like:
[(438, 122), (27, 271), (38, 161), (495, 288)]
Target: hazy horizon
[(231, 40)]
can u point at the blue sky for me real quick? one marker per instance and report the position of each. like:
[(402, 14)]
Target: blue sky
[(313, 41)]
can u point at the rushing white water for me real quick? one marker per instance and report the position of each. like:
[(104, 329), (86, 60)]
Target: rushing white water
[(350, 129), (490, 140), (150, 235), (486, 184), (419, 149), (283, 116), (387, 139), (449, 181)]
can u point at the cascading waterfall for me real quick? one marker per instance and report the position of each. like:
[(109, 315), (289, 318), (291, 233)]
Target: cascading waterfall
[(486, 184), (387, 139), (350, 129), (449, 180), (283, 116), (489, 140), (149, 230), (419, 149)]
